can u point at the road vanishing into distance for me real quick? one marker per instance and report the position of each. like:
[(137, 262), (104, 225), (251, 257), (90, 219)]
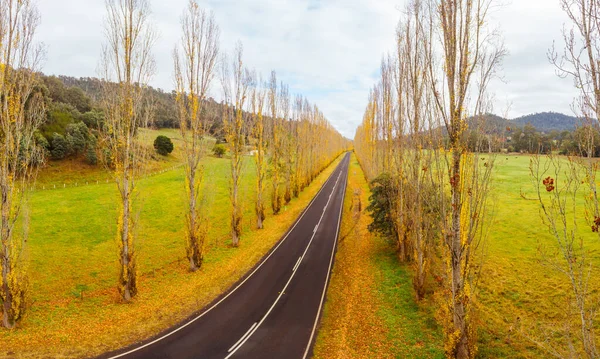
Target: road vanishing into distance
[(273, 312)]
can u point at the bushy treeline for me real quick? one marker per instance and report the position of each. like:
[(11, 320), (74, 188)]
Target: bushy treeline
[(164, 103), (530, 140)]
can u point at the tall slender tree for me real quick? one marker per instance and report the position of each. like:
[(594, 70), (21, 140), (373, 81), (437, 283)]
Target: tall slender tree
[(275, 144), (195, 60), (415, 121), (297, 147), (286, 143), (259, 132), (21, 114), (235, 82), (471, 55), (127, 66)]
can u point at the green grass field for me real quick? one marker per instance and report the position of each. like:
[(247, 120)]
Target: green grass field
[(73, 268), (371, 307), (521, 298), (74, 172)]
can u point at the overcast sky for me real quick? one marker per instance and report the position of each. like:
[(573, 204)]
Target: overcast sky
[(328, 50)]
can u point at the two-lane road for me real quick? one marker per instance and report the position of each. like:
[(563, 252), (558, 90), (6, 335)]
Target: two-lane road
[(274, 311)]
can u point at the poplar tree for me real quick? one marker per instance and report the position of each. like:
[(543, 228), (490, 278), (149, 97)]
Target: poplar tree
[(471, 55), (195, 59), (21, 114), (275, 144), (260, 134), (235, 81), (127, 66)]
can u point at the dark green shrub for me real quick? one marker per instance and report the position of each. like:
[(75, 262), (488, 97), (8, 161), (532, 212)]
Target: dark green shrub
[(90, 156), (381, 202), (41, 141), (77, 134), (60, 147), (163, 145), (93, 119)]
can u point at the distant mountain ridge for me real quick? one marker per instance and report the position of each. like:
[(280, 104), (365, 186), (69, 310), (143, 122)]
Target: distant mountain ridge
[(548, 121), (542, 121)]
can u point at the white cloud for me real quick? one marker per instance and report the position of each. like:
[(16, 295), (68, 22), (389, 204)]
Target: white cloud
[(328, 50)]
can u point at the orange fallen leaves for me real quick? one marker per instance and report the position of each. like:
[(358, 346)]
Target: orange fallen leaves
[(351, 327)]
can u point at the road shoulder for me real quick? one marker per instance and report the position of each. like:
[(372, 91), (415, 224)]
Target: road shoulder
[(370, 311)]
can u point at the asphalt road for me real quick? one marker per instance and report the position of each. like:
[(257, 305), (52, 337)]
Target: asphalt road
[(273, 312)]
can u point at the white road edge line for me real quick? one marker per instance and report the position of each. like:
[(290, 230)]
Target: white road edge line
[(297, 264), (239, 285), (242, 338), (312, 334), (288, 282)]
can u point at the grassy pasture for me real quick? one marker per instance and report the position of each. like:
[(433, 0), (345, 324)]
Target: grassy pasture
[(75, 172), (371, 310), (73, 257), (522, 299)]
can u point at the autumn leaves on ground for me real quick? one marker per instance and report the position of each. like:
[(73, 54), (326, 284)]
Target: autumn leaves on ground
[(371, 312), (112, 231)]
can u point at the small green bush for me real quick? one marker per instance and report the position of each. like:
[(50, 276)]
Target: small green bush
[(163, 145), (219, 150)]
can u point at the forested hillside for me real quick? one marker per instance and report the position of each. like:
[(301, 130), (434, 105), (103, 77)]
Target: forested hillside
[(547, 121), (74, 116), (84, 93), (543, 122)]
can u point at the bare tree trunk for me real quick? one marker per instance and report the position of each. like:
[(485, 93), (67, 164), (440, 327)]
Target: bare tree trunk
[(235, 215), (7, 320), (128, 271), (7, 296), (195, 254), (458, 295)]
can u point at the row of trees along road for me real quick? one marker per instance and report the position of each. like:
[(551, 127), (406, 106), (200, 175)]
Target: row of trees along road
[(293, 150), (431, 184), (430, 191), (289, 150)]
